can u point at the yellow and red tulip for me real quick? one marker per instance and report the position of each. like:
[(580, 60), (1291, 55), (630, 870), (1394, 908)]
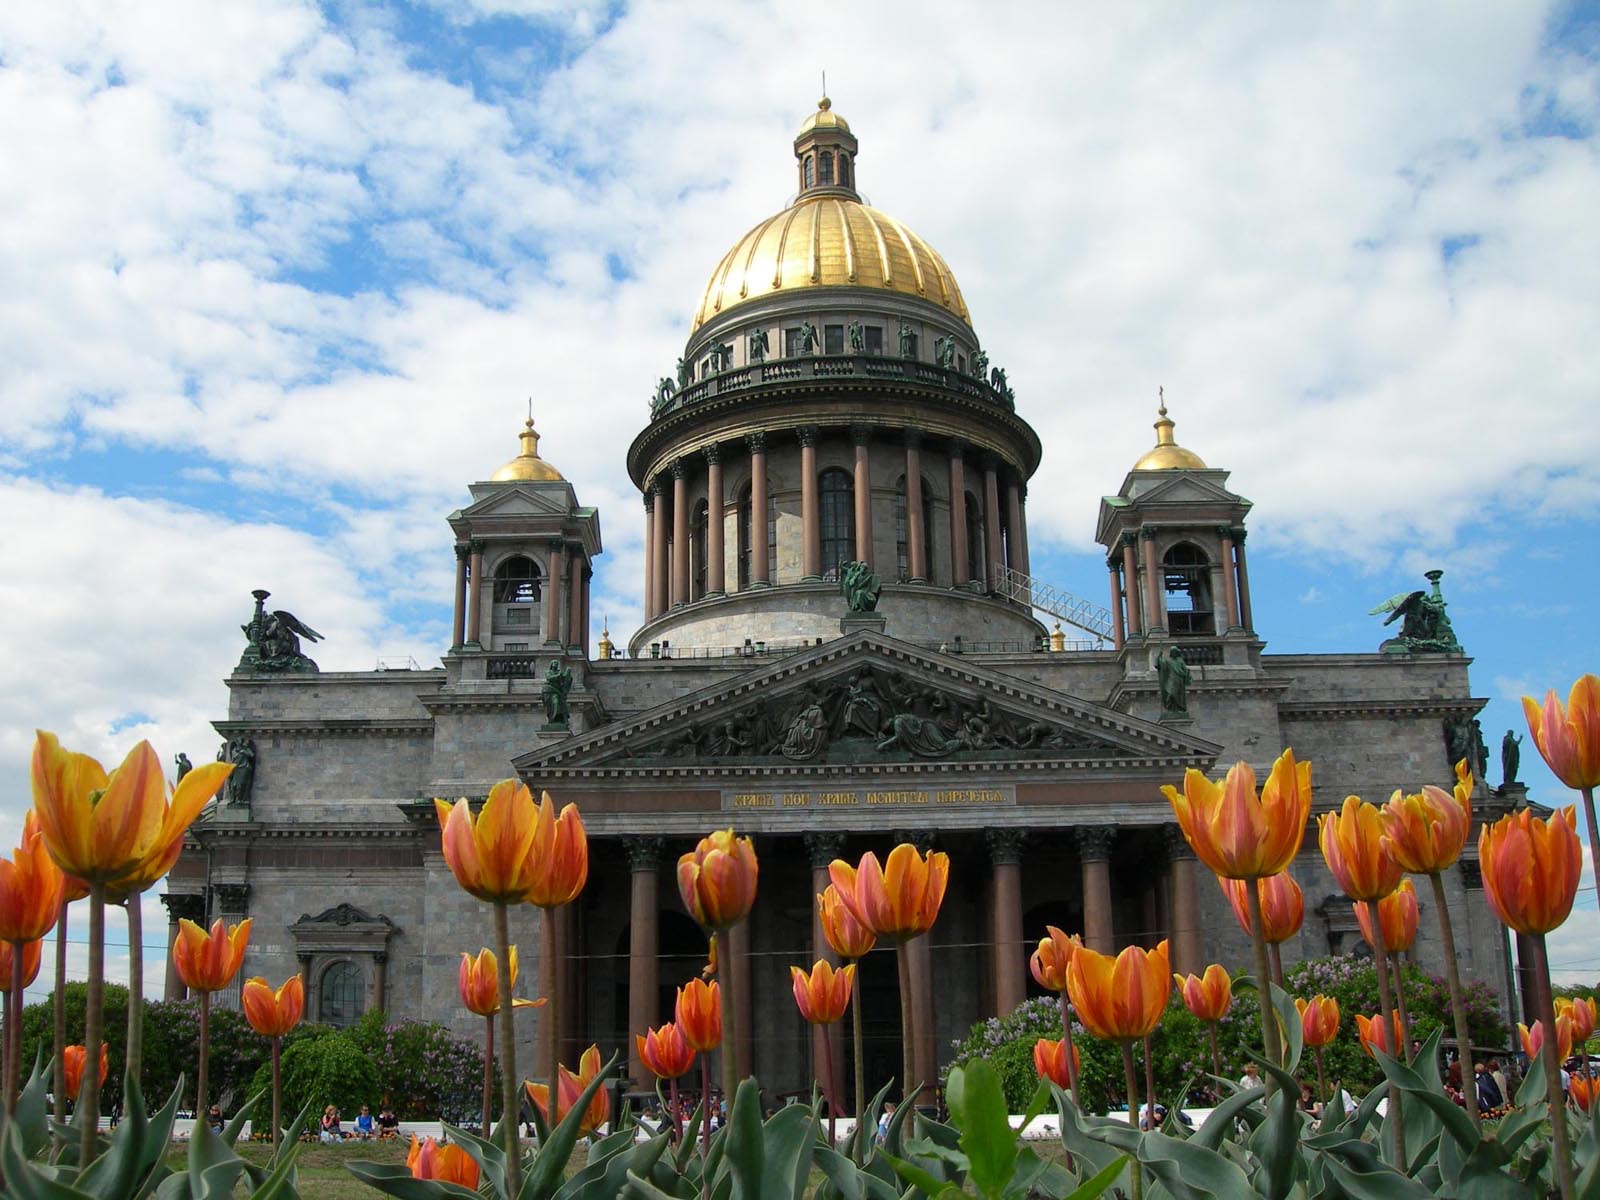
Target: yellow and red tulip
[(120, 829), (73, 1059), (1580, 1010), (31, 952), (1424, 831), (1319, 1020), (1379, 1036), (1050, 961), (1207, 996), (1283, 905), (846, 936), (824, 994), (698, 1014), (491, 855), (901, 898), (1352, 846), (1397, 919), (273, 1013), (1236, 833), (1050, 1061), (568, 1088), (1583, 1090), (717, 879), (665, 1052), (207, 962), (31, 888), (1568, 736), (1120, 998), (1533, 1039), (560, 855), (478, 982), (446, 1163), (1530, 869)]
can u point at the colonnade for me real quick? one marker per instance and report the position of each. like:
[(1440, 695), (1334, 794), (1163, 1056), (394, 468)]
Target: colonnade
[(1138, 591), (668, 565), (566, 581)]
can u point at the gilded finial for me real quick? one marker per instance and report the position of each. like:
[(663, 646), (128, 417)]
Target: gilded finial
[(1161, 394)]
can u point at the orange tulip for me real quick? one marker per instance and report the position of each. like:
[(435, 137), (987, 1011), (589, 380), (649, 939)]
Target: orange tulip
[(1352, 846), (73, 1058), (478, 982), (560, 855), (1533, 1039), (846, 936), (1569, 737), (1050, 961), (1424, 832), (899, 900), (1283, 905), (568, 1089), (665, 1052), (1397, 919), (1050, 1061), (1120, 998), (1319, 1020), (446, 1163), (699, 1014), (1580, 1011), (273, 1013), (1237, 834), (1583, 1091), (207, 962), (1207, 996), (1530, 869), (717, 879), (491, 855), (1379, 1036), (31, 887), (119, 830), (824, 995), (30, 963)]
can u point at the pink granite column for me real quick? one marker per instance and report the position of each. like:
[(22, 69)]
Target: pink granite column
[(992, 556), (861, 435), (1119, 633), (760, 568), (649, 555), (475, 593), (917, 564), (810, 511), (1245, 617), (1010, 962), (458, 624), (658, 551), (960, 573), (1230, 594), (1016, 539), (1094, 852), (575, 635), (644, 860), (1188, 954), (554, 572), (716, 575), (1154, 618), (680, 533), (1130, 586)]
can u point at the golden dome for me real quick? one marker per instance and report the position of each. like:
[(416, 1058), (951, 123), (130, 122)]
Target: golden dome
[(1166, 454), (825, 118), (527, 464)]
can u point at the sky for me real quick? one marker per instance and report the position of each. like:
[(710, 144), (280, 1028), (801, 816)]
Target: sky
[(281, 278)]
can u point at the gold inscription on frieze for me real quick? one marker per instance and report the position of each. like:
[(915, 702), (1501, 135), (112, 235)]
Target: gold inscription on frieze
[(754, 800)]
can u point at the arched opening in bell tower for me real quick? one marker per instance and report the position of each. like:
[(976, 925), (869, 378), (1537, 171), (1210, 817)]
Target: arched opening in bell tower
[(1186, 576)]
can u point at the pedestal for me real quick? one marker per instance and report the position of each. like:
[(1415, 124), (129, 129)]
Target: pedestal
[(868, 622)]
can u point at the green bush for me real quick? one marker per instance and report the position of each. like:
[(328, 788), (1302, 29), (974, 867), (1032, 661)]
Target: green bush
[(328, 1068), (424, 1070)]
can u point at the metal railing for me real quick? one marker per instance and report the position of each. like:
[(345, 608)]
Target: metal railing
[(833, 366), (1074, 610)]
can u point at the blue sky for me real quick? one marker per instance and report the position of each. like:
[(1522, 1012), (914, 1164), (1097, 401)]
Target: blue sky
[(281, 278)]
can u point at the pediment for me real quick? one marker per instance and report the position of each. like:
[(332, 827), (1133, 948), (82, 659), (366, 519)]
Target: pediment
[(870, 700), (1186, 488), (524, 500)]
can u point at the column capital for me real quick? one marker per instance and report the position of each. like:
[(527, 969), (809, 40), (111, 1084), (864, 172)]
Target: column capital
[(679, 468), (1225, 532), (463, 551), (990, 462), (644, 852), (1471, 872), (757, 442), (860, 433), (475, 546), (824, 846), (1238, 535), (381, 958), (649, 500), (807, 435), (232, 898), (923, 839), (1094, 842), (1177, 845), (182, 905), (660, 486), (588, 571), (305, 960), (556, 545), (1114, 563), (711, 453), (1005, 845), (1127, 540), (1147, 532), (912, 439), (958, 449)]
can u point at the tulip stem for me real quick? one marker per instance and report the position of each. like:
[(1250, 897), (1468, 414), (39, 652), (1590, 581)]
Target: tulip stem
[(1216, 1059), (677, 1116), (860, 1072), (58, 1002), (731, 1030), (907, 1021), (552, 1030), (1275, 957), (705, 1113), (833, 1085), (1066, 1033), (277, 1091), (1392, 964), (1386, 1000), (13, 1032), (1322, 1084), (202, 1075), (94, 1026), (1149, 1082), (133, 1058), (1458, 1005), (1258, 942), (1594, 837), (508, 1056), (1552, 1069), (1135, 1173), (488, 1075)]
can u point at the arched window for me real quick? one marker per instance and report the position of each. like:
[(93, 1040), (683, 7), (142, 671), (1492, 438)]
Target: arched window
[(808, 171), (902, 536), (977, 542), (697, 551), (837, 492), (341, 995), (516, 581), (744, 537), (825, 168), (844, 169), (1186, 577)]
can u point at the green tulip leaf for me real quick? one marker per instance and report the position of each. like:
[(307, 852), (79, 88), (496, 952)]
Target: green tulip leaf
[(1383, 1184), (978, 1108), (395, 1180), (548, 1169), (1190, 1172)]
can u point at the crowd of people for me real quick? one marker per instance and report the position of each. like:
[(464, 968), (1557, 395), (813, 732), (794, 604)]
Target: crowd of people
[(365, 1128)]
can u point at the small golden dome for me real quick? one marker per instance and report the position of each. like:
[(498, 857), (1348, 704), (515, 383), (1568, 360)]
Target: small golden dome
[(527, 464), (1166, 454), (825, 118)]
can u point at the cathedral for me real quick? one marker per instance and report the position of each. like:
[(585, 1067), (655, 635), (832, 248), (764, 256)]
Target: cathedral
[(841, 649)]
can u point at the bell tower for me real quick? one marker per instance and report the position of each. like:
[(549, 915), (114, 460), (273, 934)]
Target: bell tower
[(825, 154)]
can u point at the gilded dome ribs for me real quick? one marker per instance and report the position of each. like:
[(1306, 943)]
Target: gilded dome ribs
[(848, 239)]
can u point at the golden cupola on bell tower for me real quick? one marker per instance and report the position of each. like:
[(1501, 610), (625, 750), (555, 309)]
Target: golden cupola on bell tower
[(825, 154)]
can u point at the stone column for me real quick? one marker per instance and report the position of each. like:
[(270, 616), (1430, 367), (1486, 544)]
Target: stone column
[(1230, 594), (1155, 617), (475, 593), (583, 625), (1130, 586), (959, 574), (680, 533), (1188, 953), (556, 568), (644, 861), (739, 964), (1245, 617), (1016, 539), (822, 849), (658, 551), (810, 513), (924, 1033), (458, 626), (1119, 633), (916, 536), (1094, 851), (760, 568), (380, 981), (575, 624), (313, 1003), (716, 575), (649, 555), (861, 435), (1010, 964), (992, 556)]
